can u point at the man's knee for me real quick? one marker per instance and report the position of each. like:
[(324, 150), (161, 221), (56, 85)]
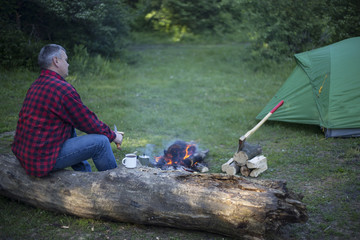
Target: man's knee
[(102, 138)]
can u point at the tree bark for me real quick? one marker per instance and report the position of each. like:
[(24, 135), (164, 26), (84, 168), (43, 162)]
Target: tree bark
[(218, 203)]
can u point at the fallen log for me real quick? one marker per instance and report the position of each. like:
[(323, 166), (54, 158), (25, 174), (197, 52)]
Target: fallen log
[(228, 205)]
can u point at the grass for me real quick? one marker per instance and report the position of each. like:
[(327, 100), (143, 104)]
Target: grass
[(204, 93)]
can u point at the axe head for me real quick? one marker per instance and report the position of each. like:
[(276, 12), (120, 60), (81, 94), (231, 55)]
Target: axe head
[(242, 140)]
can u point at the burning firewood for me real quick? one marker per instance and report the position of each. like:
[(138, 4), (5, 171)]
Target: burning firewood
[(200, 167), (182, 155)]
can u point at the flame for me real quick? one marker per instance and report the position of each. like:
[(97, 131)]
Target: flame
[(169, 161), (176, 155), (187, 155)]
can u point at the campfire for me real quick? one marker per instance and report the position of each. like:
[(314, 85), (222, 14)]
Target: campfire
[(182, 155)]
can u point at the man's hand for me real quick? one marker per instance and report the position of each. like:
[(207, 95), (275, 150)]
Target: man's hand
[(118, 140)]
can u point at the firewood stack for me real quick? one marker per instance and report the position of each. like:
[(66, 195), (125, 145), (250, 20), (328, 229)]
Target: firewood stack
[(248, 161)]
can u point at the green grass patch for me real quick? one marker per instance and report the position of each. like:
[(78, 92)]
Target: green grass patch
[(204, 93)]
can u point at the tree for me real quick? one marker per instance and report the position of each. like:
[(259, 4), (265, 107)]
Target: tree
[(196, 17), (281, 28), (16, 45), (101, 26), (344, 19), (205, 16)]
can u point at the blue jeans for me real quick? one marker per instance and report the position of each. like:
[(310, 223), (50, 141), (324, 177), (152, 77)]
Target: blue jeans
[(77, 150)]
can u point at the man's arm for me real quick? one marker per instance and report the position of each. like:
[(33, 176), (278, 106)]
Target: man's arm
[(82, 118)]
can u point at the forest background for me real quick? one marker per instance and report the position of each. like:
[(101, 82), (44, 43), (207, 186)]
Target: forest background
[(275, 29)]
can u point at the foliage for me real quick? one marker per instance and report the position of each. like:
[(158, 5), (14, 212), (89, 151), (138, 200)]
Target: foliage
[(17, 48), (185, 17), (282, 28), (345, 19), (81, 63), (78, 62), (277, 29), (162, 22), (101, 26), (206, 16), (139, 9)]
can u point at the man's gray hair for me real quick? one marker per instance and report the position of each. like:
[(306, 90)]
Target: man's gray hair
[(47, 53)]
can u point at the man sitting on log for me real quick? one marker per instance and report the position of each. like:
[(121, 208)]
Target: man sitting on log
[(45, 138)]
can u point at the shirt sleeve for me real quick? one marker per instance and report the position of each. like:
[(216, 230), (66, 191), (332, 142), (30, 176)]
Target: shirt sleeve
[(82, 118)]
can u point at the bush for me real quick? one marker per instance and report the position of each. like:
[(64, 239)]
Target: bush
[(17, 50), (345, 19), (282, 28), (81, 63), (187, 18), (25, 26)]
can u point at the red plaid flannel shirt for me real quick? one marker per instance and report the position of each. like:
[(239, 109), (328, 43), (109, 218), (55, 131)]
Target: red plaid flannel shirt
[(51, 109)]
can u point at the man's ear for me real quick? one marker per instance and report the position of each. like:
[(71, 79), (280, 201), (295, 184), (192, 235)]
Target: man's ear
[(55, 61)]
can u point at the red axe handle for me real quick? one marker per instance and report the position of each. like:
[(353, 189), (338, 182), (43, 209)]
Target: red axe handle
[(243, 138)]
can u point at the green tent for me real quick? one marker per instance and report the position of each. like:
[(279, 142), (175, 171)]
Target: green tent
[(323, 89)]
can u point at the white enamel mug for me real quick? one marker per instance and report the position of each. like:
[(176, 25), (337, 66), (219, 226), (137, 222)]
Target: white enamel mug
[(129, 161)]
